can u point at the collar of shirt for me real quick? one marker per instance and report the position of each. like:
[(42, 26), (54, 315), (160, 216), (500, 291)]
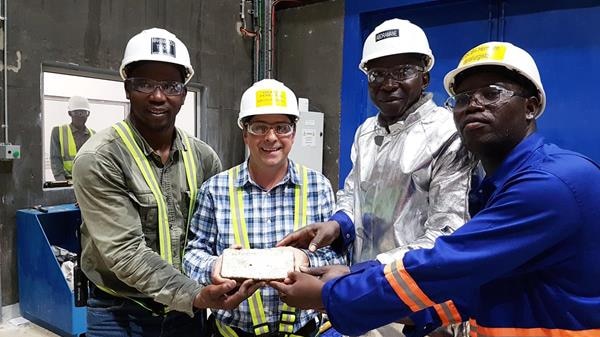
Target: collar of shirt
[(75, 129), (292, 176), (413, 115), (515, 159), (148, 150)]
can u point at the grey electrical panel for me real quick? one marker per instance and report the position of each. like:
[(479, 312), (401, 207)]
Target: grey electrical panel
[(308, 145)]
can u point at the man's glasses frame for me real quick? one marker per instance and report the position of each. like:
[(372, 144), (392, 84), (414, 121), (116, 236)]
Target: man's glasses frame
[(148, 86), (488, 96), (262, 129), (377, 76)]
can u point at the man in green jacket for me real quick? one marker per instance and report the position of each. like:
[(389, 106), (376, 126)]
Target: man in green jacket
[(136, 185)]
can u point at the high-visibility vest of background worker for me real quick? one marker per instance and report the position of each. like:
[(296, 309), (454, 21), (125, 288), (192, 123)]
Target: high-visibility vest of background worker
[(254, 205), (136, 184), (67, 139), (526, 264), (410, 174)]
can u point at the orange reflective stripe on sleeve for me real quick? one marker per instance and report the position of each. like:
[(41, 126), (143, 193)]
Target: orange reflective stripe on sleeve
[(409, 292), (405, 287), (448, 313), (480, 331)]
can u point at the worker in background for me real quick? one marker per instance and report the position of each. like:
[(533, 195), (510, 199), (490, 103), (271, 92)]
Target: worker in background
[(67, 139), (274, 197), (526, 264), (136, 184), (411, 175)]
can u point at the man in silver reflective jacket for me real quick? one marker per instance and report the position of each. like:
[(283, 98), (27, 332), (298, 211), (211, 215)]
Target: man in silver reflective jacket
[(411, 175)]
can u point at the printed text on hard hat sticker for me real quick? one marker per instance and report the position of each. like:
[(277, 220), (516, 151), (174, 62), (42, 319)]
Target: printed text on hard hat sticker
[(270, 98), (386, 34), (163, 46), (495, 53)]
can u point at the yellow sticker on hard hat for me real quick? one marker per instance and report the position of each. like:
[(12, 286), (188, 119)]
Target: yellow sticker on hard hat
[(484, 53), (270, 97)]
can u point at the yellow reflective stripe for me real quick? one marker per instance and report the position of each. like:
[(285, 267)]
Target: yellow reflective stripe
[(190, 173), (236, 204), (61, 141), (67, 147), (164, 235), (257, 312), (286, 328), (71, 142), (224, 330), (304, 193), (240, 234), (288, 314)]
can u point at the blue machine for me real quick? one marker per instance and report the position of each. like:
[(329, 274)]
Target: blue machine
[(44, 296), (561, 35)]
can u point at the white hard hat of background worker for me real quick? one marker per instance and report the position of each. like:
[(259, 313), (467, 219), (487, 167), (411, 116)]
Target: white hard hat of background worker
[(78, 103), (79, 110), (268, 97), (502, 54), (393, 37), (159, 45)]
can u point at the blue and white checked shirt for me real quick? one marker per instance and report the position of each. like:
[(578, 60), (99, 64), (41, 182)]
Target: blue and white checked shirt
[(269, 217)]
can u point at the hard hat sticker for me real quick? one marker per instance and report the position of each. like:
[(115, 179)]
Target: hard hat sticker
[(270, 97), (387, 34), (163, 46), (483, 53)]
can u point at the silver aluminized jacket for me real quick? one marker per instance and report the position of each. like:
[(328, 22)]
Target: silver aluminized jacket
[(407, 186)]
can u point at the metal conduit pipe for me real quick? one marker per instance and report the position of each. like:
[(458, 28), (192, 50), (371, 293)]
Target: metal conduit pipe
[(5, 71)]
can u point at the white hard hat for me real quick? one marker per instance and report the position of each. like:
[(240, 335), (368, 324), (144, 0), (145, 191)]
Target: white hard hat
[(502, 54), (393, 37), (268, 97), (157, 44), (78, 103)]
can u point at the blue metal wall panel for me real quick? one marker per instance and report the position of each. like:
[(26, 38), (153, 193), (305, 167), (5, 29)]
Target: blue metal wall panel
[(560, 34), (563, 38)]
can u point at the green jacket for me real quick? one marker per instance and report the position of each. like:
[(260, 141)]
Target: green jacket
[(119, 230)]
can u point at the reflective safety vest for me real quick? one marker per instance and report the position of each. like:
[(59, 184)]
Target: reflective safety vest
[(68, 149), (189, 161), (240, 233)]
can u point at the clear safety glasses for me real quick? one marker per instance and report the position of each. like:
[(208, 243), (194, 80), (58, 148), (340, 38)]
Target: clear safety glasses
[(261, 129), (492, 95), (376, 76), (147, 86)]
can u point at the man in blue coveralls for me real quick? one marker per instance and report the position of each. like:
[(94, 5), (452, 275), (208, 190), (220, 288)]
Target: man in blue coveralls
[(527, 262)]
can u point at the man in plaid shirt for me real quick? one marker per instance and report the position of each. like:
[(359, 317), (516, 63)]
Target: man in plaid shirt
[(268, 183)]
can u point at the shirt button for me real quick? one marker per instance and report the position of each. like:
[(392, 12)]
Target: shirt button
[(347, 236)]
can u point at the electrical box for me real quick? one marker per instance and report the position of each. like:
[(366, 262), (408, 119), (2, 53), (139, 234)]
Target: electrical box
[(308, 145), (10, 152)]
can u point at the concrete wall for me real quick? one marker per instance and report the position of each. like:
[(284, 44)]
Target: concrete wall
[(308, 59), (93, 33)]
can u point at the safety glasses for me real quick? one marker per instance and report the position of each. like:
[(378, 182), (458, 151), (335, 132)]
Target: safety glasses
[(376, 76), (261, 129), (79, 113), (490, 96), (148, 86)]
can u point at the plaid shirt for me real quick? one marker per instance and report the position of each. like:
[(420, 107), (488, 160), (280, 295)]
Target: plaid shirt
[(269, 217)]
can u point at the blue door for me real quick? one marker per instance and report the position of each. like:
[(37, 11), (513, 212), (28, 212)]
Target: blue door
[(564, 40)]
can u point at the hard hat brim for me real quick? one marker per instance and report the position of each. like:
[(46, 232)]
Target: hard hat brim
[(451, 76)]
